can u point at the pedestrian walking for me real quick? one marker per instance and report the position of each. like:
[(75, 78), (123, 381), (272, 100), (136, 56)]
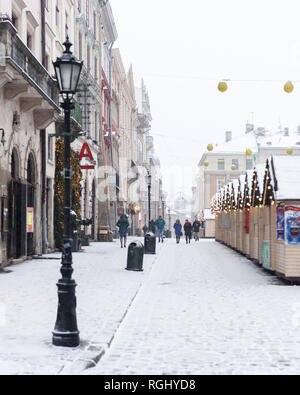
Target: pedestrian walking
[(160, 225), (178, 230), (188, 230), (196, 229), (123, 225)]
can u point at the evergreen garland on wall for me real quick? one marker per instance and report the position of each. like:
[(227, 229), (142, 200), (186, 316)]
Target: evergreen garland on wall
[(60, 187)]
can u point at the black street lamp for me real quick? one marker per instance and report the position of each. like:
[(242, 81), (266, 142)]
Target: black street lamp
[(149, 179), (66, 334)]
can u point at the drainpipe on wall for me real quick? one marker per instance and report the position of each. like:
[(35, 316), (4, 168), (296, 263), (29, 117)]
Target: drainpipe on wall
[(43, 144)]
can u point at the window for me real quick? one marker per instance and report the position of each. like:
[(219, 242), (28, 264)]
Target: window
[(47, 62), (80, 45), (96, 68), (249, 164), (96, 126), (220, 183), (87, 12), (88, 57), (79, 5), (50, 147), (29, 41), (221, 164), (235, 162), (95, 24), (57, 14)]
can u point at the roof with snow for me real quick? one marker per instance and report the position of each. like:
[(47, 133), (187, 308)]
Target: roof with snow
[(255, 140), (207, 214), (260, 171), (285, 177)]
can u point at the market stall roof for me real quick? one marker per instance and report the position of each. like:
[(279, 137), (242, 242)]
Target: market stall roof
[(242, 180), (260, 171), (285, 177), (249, 180), (207, 214), (235, 186)]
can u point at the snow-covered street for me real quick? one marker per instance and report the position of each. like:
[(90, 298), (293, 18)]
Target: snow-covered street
[(206, 310), (28, 300), (196, 309)]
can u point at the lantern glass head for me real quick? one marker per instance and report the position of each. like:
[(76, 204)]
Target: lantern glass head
[(67, 70)]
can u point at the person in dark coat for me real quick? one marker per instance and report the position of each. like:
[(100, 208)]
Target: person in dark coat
[(188, 230), (178, 230), (196, 228), (123, 225), (145, 229)]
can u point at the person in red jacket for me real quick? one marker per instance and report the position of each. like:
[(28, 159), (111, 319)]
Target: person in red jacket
[(188, 230)]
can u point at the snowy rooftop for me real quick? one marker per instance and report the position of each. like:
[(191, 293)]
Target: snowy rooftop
[(235, 186), (260, 171), (287, 175), (257, 138), (207, 214), (242, 180)]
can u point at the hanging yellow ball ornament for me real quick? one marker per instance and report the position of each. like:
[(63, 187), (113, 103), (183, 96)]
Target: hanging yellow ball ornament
[(210, 147), (222, 87), (248, 152), (223, 183), (233, 167), (289, 87), (206, 164), (289, 151)]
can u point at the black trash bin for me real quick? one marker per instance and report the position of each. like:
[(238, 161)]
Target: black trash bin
[(150, 243), (135, 257)]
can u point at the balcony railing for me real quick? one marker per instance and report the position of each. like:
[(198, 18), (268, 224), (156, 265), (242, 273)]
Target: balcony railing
[(24, 61)]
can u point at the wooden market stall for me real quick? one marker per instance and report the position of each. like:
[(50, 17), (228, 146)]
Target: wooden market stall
[(210, 225), (260, 216), (283, 192), (240, 229), (246, 214)]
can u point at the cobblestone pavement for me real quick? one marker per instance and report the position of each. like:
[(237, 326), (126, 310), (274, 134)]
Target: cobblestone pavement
[(28, 306), (206, 310)]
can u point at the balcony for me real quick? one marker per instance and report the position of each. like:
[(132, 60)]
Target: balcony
[(23, 78)]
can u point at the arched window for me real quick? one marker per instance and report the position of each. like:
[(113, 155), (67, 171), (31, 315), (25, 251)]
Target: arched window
[(30, 170), (14, 165)]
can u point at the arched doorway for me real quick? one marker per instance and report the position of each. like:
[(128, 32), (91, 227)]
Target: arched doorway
[(30, 204), (16, 211)]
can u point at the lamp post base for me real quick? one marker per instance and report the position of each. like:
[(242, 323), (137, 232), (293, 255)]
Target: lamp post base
[(66, 333), (70, 340)]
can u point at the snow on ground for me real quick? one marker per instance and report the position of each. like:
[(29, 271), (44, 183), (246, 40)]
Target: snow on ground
[(200, 309), (204, 309), (28, 307)]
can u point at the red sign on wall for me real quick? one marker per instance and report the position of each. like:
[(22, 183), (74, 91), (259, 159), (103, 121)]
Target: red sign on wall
[(86, 153)]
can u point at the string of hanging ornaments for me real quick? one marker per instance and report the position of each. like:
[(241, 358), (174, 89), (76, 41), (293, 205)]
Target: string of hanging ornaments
[(223, 85)]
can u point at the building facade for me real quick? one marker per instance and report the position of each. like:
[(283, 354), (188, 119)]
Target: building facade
[(228, 161), (111, 118), (29, 108)]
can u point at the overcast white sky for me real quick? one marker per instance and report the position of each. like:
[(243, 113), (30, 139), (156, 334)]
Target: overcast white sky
[(183, 48)]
